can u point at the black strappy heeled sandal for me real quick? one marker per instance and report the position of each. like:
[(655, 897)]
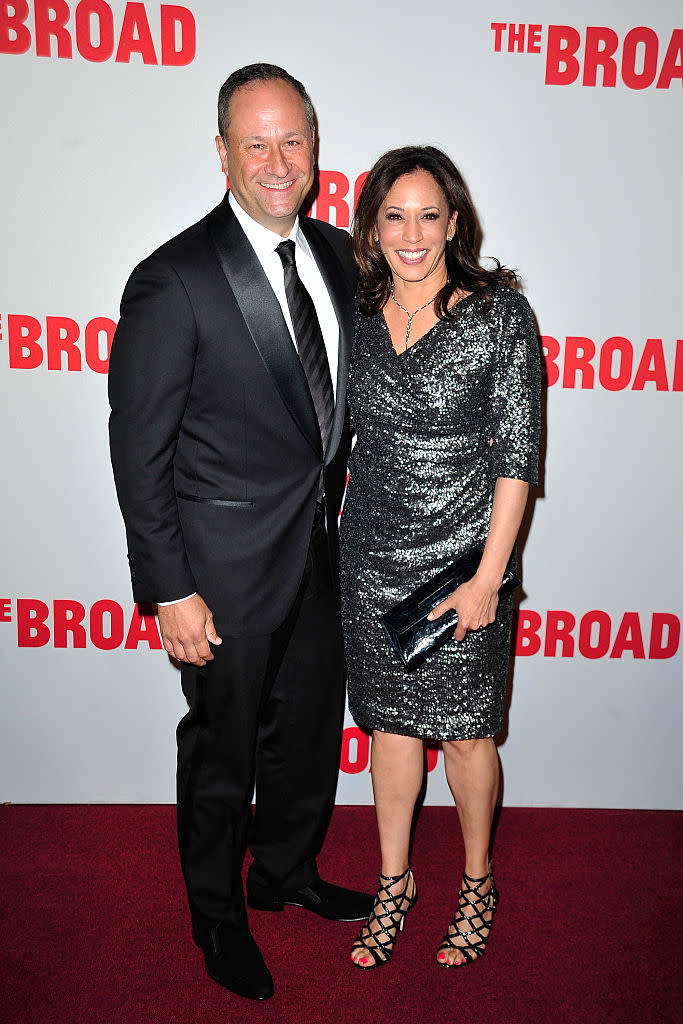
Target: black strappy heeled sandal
[(390, 920), (470, 930)]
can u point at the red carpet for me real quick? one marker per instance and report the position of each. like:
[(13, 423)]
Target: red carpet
[(94, 925)]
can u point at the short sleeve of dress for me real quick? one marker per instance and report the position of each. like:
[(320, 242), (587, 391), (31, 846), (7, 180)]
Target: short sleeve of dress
[(516, 392)]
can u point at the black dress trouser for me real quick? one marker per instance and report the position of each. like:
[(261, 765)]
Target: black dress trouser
[(267, 710)]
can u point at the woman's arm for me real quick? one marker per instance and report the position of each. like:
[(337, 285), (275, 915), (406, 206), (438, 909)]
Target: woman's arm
[(515, 422), (477, 600)]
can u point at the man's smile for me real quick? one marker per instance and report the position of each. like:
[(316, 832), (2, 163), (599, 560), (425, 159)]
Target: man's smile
[(278, 186)]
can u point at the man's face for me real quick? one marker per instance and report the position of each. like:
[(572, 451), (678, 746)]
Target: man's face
[(269, 155)]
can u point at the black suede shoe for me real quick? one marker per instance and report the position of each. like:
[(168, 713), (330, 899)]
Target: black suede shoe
[(234, 960), (322, 898)]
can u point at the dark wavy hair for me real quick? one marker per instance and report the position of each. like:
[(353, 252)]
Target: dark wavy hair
[(462, 259)]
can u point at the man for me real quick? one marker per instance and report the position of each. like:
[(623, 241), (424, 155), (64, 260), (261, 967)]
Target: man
[(229, 443)]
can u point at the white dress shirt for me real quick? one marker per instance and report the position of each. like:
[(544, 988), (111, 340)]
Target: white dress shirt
[(264, 242)]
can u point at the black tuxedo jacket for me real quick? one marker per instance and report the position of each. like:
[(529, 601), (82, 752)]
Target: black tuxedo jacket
[(214, 439)]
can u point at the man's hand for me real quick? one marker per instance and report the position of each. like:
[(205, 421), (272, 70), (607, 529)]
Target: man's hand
[(186, 630)]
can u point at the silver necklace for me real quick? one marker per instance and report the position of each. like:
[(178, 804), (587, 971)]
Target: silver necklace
[(409, 314)]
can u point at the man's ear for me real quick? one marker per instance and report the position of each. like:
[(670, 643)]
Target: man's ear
[(223, 153)]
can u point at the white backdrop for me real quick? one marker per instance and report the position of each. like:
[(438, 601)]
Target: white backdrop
[(575, 172)]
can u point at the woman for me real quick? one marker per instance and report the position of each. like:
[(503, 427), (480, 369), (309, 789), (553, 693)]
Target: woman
[(444, 395)]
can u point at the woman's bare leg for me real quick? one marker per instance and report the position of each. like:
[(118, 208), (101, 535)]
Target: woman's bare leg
[(397, 770), (473, 774)]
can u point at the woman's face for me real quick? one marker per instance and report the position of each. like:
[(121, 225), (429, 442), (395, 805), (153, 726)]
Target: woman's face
[(412, 226)]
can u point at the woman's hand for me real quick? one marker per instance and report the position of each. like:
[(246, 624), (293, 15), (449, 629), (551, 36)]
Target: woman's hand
[(475, 602)]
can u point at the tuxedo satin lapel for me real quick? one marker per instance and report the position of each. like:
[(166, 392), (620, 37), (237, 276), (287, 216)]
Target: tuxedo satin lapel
[(263, 316), (342, 300)]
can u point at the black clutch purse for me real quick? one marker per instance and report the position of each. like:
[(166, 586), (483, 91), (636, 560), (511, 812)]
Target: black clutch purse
[(410, 632)]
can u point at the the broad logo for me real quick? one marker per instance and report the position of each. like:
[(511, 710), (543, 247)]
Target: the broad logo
[(596, 55), (48, 28)]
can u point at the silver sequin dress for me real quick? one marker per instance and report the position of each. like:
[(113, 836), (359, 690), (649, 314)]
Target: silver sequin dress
[(423, 472)]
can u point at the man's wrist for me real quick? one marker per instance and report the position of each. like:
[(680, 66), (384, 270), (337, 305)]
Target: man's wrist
[(167, 604)]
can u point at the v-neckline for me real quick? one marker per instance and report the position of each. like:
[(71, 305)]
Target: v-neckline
[(399, 355)]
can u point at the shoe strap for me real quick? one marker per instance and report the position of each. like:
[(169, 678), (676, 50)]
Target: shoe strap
[(383, 948), (481, 904), (392, 879), (392, 904), (478, 881)]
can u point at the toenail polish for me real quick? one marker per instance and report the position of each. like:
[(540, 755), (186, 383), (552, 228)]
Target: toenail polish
[(442, 956), (363, 960)]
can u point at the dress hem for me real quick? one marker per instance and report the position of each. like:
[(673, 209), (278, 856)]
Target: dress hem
[(404, 731)]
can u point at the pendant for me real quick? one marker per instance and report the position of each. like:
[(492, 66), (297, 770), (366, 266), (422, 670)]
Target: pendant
[(408, 326)]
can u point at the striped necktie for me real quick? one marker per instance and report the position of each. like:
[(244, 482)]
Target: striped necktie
[(309, 341)]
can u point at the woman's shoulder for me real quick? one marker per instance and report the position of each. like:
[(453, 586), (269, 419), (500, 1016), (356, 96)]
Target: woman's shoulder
[(511, 310), (501, 299), (505, 297)]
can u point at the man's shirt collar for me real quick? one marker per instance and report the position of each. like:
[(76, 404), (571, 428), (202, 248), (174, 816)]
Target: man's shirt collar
[(263, 240)]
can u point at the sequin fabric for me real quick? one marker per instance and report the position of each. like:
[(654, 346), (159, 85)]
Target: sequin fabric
[(423, 472)]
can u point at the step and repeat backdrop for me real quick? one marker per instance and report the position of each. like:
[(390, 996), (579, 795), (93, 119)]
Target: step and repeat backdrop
[(565, 120)]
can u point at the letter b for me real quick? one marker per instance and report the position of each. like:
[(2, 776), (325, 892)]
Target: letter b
[(32, 630), (14, 36), (528, 641), (22, 342), (563, 42)]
